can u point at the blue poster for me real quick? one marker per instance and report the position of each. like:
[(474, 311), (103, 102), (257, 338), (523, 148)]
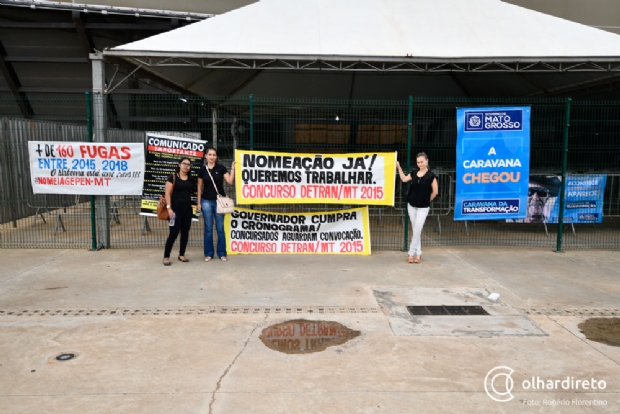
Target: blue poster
[(584, 199), (492, 163), (583, 203)]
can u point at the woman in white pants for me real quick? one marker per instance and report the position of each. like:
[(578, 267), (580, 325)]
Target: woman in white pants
[(422, 190)]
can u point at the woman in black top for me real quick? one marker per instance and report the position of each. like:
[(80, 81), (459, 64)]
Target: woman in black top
[(179, 189), (422, 190), (207, 196)]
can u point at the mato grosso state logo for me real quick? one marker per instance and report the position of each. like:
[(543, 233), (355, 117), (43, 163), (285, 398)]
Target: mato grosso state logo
[(494, 120), (474, 121)]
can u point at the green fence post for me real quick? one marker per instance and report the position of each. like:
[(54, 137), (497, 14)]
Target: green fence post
[(89, 131), (408, 163), (251, 122), (564, 168)]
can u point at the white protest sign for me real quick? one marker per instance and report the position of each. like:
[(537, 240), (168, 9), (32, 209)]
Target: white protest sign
[(331, 232), (86, 168)]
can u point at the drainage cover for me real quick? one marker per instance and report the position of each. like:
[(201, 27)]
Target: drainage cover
[(65, 357), (447, 310), (301, 336)]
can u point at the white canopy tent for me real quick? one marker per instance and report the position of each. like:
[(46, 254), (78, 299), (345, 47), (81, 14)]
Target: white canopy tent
[(378, 49)]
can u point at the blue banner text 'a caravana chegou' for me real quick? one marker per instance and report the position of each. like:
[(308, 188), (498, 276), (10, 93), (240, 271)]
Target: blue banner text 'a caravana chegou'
[(492, 163)]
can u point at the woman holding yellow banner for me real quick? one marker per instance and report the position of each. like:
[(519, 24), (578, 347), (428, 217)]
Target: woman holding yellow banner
[(422, 190)]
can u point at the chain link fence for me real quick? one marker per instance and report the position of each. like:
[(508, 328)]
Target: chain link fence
[(301, 125)]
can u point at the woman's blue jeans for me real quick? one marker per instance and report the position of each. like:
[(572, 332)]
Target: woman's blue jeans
[(209, 211)]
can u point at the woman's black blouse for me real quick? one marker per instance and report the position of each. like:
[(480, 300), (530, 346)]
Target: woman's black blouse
[(217, 172), (181, 197), (420, 189)]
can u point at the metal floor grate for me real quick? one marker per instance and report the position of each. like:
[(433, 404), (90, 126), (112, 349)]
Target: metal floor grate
[(446, 310)]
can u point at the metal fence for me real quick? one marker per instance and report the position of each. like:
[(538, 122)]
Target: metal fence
[(302, 125)]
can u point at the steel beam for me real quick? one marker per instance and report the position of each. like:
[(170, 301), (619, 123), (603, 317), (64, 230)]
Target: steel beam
[(12, 81), (106, 10), (117, 91), (159, 27), (362, 59), (46, 59), (85, 39), (244, 84), (369, 64), (578, 88)]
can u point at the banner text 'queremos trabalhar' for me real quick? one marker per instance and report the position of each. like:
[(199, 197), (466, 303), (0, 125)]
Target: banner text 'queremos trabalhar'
[(83, 168), (333, 232), (271, 177)]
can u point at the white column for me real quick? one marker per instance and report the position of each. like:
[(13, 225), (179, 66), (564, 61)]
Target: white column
[(102, 204)]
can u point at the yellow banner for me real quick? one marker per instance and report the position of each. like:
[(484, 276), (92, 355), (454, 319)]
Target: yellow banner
[(148, 205), (330, 232), (290, 178)]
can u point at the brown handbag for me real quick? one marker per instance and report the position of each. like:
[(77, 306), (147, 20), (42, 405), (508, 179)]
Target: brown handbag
[(162, 211)]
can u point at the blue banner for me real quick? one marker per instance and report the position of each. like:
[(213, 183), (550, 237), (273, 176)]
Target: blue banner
[(492, 163), (584, 199), (583, 203)]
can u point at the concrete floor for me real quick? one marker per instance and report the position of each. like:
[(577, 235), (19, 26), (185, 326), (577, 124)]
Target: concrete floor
[(185, 338)]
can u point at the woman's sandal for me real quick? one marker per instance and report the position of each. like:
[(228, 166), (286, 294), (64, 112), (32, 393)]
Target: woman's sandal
[(208, 259), (224, 259), (166, 261), (183, 259), (410, 259), (417, 259)]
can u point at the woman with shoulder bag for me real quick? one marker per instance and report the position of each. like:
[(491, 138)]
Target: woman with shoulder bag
[(179, 189), (211, 172), (422, 190)]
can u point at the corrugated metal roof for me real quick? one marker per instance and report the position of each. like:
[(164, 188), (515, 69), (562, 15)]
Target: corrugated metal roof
[(103, 9)]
